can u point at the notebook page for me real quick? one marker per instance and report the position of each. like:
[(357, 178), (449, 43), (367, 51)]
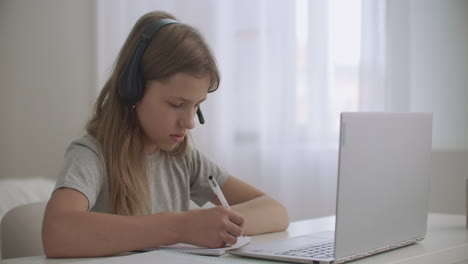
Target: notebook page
[(161, 256), (187, 248)]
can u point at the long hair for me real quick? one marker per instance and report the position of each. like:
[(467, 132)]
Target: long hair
[(174, 49)]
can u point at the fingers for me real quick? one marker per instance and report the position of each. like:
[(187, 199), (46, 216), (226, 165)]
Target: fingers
[(226, 237), (234, 229), (229, 239), (214, 227), (236, 218), (235, 221), (233, 224)]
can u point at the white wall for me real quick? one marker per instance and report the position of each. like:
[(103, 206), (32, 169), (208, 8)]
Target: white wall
[(448, 181), (439, 83), (439, 68), (46, 82)]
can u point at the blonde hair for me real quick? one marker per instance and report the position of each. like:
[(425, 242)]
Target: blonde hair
[(175, 48)]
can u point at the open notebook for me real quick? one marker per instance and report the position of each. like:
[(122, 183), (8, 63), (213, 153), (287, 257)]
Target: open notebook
[(191, 249), (163, 256)]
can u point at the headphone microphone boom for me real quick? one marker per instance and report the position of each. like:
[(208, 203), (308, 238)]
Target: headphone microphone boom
[(201, 119), (130, 85)]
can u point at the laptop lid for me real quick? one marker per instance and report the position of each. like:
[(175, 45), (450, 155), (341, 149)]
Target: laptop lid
[(382, 190), (383, 182)]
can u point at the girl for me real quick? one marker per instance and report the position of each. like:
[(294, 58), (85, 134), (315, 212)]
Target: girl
[(126, 185)]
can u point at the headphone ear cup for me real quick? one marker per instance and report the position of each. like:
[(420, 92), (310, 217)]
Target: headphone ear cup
[(130, 85), (139, 87)]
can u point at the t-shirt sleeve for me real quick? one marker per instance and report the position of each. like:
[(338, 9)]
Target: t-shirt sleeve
[(200, 169), (81, 171)]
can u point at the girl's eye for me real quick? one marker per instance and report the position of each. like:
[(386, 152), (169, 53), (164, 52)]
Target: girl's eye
[(175, 105)]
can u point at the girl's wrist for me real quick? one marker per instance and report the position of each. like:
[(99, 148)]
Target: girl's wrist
[(172, 226), (180, 221)]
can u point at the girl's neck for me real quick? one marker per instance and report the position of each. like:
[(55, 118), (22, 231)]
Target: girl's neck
[(149, 147)]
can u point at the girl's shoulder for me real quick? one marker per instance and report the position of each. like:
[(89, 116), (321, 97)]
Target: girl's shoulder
[(194, 155), (191, 150), (86, 143), (188, 155)]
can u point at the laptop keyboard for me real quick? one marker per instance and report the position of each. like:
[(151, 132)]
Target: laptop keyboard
[(314, 251)]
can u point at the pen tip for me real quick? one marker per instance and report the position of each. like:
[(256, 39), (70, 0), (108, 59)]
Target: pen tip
[(210, 177)]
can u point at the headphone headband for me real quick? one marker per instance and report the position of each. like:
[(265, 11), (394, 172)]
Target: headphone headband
[(154, 27)]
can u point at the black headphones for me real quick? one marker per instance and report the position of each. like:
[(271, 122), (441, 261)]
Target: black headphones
[(130, 85)]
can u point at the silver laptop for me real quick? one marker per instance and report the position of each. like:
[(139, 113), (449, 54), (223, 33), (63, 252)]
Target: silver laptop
[(382, 193)]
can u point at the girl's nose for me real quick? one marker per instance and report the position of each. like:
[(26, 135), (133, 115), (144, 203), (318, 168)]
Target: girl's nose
[(187, 121)]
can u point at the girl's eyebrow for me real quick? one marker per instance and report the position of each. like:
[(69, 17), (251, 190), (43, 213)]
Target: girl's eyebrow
[(186, 100)]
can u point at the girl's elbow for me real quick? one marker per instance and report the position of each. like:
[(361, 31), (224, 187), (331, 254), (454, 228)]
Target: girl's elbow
[(51, 240), (48, 245), (284, 222), (281, 219)]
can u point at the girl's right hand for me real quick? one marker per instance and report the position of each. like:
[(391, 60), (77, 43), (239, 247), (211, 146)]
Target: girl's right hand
[(213, 227)]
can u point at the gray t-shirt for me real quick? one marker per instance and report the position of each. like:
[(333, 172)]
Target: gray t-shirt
[(173, 181)]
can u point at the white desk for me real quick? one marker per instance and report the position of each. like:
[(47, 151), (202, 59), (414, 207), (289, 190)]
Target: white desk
[(446, 242)]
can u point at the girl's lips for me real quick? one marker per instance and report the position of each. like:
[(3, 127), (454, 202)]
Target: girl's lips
[(178, 138)]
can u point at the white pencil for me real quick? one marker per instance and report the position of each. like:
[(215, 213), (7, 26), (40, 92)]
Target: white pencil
[(214, 185)]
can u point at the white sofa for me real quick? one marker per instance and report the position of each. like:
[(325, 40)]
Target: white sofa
[(15, 192)]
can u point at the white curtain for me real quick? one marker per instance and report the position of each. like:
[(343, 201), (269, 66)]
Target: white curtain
[(288, 69)]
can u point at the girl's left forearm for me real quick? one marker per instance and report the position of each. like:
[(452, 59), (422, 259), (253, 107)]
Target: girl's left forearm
[(262, 215)]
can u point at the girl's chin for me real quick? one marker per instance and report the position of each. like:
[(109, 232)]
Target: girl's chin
[(166, 148), (169, 147)]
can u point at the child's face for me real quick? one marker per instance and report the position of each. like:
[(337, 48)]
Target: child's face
[(167, 110)]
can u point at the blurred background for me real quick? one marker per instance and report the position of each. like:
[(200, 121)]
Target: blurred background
[(288, 69)]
